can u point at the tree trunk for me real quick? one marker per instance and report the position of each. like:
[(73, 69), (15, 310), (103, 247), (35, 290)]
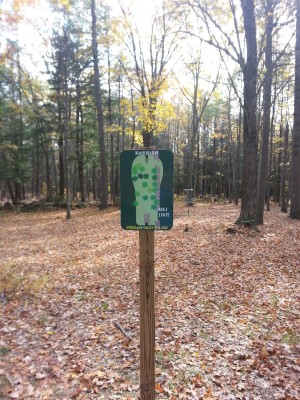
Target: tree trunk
[(79, 143), (133, 119), (249, 182), (20, 188), (37, 183), (47, 166), (18, 191), (295, 160), (283, 171), (194, 128), (214, 184), (277, 166), (61, 157), (197, 175), (271, 151), (267, 89), (238, 159), (11, 192), (98, 99), (112, 152), (66, 124)]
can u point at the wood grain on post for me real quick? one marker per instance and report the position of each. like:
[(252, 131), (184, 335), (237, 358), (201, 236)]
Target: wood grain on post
[(147, 315)]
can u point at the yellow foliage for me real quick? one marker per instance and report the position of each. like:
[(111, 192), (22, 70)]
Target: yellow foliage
[(64, 3), (114, 128), (154, 116), (216, 135), (138, 140)]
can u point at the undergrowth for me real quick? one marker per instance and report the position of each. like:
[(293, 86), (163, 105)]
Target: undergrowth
[(14, 283)]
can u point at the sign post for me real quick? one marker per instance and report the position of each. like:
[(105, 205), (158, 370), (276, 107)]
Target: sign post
[(147, 316), (147, 205)]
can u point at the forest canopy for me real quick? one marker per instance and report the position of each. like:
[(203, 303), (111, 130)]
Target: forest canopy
[(214, 82)]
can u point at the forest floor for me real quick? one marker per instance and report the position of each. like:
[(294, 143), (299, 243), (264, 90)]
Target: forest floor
[(227, 306)]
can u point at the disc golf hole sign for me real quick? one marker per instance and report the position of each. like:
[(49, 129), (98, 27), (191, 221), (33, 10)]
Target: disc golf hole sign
[(146, 189)]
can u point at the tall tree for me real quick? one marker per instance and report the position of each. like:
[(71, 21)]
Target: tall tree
[(65, 77), (295, 156), (219, 37), (151, 70), (283, 175), (199, 102), (249, 180), (56, 83), (99, 108), (267, 89), (14, 130)]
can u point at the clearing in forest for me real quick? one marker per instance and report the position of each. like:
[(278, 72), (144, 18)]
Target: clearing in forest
[(227, 306)]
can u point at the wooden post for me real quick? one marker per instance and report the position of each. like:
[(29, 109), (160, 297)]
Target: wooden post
[(147, 315)]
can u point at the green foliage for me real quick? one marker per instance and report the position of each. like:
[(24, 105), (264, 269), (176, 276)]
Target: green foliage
[(133, 99), (104, 306), (164, 358), (16, 131), (10, 281), (43, 320), (81, 297), (13, 283), (4, 351), (291, 339)]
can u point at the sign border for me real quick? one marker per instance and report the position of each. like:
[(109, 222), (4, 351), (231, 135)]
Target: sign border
[(127, 196)]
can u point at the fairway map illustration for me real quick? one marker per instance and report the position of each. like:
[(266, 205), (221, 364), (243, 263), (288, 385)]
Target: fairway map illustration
[(146, 174), (146, 189)]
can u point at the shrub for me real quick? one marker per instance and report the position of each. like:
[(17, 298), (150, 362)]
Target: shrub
[(10, 281)]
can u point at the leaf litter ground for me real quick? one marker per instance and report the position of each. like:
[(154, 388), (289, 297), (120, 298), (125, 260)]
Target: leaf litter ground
[(227, 307)]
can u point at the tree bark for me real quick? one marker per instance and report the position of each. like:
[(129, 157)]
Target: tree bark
[(238, 160), (79, 143), (284, 206), (249, 181), (48, 177), (271, 155), (112, 152), (98, 99), (11, 192), (295, 161), (61, 154), (66, 122), (267, 89)]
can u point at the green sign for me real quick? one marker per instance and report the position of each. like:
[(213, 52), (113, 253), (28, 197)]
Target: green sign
[(146, 189)]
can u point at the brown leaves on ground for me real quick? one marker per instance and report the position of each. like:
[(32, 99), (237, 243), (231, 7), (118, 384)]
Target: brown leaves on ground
[(227, 307)]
